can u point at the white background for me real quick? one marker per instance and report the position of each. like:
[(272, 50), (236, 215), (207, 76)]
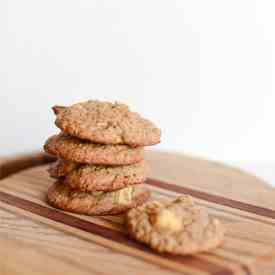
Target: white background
[(202, 70)]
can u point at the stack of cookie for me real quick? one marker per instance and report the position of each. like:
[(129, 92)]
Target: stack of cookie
[(100, 167)]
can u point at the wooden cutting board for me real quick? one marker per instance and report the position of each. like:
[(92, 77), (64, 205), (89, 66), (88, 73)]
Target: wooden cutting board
[(38, 239)]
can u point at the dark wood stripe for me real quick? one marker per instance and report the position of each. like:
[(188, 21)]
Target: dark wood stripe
[(168, 195), (262, 211), (227, 211), (106, 233)]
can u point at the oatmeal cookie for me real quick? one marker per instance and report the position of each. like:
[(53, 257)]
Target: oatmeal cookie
[(87, 177), (82, 151), (178, 227), (106, 123), (61, 168), (62, 196)]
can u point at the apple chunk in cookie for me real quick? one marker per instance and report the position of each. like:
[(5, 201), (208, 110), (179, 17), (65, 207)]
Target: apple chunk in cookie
[(62, 196)]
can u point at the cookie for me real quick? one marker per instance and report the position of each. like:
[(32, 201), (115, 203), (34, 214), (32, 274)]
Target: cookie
[(85, 177), (178, 227), (61, 168), (82, 151), (106, 123), (57, 109), (62, 196)]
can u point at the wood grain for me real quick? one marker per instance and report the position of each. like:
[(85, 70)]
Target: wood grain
[(78, 244)]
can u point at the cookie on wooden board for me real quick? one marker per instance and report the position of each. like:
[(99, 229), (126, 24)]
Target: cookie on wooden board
[(106, 123), (87, 177), (82, 151), (177, 227), (60, 195)]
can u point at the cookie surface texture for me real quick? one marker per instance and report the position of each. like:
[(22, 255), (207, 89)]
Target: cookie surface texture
[(62, 196), (178, 227), (106, 123), (61, 168), (89, 178), (76, 150)]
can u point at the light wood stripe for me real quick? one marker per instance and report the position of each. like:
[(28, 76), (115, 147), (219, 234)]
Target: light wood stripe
[(262, 211), (85, 252), (231, 212), (109, 222), (30, 192), (109, 234), (38, 195), (33, 190), (103, 221), (250, 208), (240, 253)]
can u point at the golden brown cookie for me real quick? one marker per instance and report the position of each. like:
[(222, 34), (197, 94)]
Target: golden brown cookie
[(62, 196), (70, 148), (87, 177), (106, 123), (178, 227)]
